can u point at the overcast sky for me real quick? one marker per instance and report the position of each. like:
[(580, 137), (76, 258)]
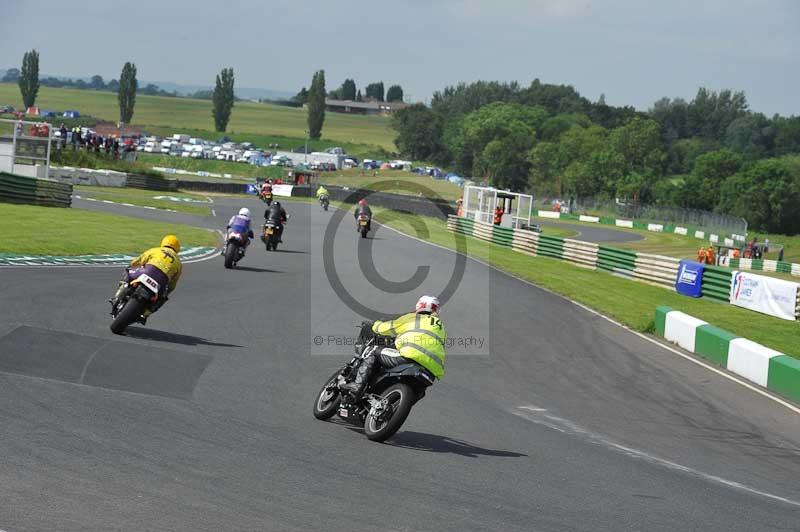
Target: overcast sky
[(633, 51)]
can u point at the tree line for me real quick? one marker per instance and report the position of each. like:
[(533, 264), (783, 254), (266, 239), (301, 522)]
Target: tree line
[(96, 82), (707, 153), (127, 87), (348, 91)]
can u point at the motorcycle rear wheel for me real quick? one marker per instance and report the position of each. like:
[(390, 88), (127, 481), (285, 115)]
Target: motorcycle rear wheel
[(400, 398), (129, 314), (325, 408)]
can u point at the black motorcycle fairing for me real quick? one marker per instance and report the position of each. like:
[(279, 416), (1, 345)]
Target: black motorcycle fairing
[(412, 374)]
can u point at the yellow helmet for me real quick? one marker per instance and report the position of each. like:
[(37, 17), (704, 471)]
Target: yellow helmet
[(171, 241)]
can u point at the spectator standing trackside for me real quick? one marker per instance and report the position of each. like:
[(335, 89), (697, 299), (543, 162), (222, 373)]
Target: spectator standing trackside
[(701, 255), (498, 215), (63, 132), (710, 256)]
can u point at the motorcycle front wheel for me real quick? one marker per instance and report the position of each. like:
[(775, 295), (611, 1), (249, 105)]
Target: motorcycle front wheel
[(399, 399), (328, 400), (364, 232), (230, 255)]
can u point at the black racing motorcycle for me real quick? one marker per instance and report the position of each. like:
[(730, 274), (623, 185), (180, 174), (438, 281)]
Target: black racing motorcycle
[(138, 296), (387, 398), (271, 235), (324, 201)]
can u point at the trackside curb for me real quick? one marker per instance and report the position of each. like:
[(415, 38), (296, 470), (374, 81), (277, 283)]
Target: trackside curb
[(761, 365), (189, 255)]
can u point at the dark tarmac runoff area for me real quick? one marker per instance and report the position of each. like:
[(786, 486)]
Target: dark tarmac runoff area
[(550, 418), (597, 234)]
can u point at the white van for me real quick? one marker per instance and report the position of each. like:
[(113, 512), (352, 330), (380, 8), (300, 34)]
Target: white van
[(152, 147)]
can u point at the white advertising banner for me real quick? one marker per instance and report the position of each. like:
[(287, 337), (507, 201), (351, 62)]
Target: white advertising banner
[(767, 295), (549, 214), (624, 223), (282, 190)]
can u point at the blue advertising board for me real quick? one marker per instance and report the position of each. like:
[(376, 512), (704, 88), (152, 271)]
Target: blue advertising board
[(689, 281)]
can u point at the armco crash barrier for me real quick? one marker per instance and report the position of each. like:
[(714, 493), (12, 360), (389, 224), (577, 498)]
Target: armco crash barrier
[(650, 268), (32, 191), (761, 365), (150, 182)]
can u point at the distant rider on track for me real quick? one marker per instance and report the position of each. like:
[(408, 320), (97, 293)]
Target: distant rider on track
[(363, 208)]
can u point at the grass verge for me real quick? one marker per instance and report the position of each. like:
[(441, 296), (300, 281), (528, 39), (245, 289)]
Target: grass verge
[(57, 231), (629, 302), (147, 198)]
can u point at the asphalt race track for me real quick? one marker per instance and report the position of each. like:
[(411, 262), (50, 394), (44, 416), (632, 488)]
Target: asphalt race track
[(598, 234), (202, 419)]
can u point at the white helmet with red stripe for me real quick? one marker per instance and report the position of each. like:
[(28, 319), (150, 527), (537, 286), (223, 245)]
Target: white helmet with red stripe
[(428, 304)]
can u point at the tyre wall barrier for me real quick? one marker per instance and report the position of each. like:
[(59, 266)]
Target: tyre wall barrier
[(222, 188), (33, 191), (716, 283), (766, 266), (89, 177), (650, 268), (151, 182), (654, 269), (756, 363)]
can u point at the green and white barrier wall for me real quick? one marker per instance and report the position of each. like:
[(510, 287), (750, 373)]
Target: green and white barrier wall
[(654, 269), (754, 362), (643, 266), (33, 191), (766, 266)]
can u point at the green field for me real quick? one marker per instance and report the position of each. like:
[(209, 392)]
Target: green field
[(136, 196), (181, 114), (631, 303), (58, 231), (239, 171)]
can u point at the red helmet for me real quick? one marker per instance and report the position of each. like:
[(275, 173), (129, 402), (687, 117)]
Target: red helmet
[(362, 202)]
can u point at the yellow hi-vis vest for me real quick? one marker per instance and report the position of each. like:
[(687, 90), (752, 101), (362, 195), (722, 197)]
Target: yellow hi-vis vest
[(419, 337)]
